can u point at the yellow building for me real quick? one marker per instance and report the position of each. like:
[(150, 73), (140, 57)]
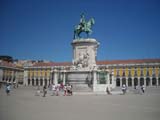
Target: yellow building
[(10, 73), (130, 72)]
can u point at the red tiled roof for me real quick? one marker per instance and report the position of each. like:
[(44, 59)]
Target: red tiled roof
[(7, 64), (43, 64), (63, 64), (52, 64), (106, 62), (128, 61)]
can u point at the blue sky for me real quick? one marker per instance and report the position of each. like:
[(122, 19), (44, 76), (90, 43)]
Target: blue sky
[(43, 29)]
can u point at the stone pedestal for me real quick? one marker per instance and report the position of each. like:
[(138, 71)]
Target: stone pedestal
[(78, 77), (84, 62), (84, 53), (81, 80)]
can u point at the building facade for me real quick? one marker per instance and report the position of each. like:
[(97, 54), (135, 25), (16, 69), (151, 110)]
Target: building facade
[(114, 73), (10, 73), (136, 72)]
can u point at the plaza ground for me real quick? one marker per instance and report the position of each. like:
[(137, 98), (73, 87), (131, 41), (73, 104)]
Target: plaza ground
[(22, 104)]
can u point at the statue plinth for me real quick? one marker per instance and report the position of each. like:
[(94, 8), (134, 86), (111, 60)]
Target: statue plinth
[(84, 63), (84, 53)]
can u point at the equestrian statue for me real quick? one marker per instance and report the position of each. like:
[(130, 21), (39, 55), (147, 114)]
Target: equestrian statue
[(83, 26)]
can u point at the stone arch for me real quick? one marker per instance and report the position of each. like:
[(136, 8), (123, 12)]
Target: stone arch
[(123, 81), (9, 79), (148, 81), (36, 82), (49, 81), (33, 82), (41, 82), (118, 82), (141, 81), (129, 81), (14, 79), (154, 81), (45, 81), (29, 81), (135, 81)]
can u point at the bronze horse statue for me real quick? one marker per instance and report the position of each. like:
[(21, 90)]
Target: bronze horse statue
[(83, 27)]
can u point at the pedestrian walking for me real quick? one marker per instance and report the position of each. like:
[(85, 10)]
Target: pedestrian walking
[(108, 90), (143, 88), (137, 89), (57, 89), (53, 89), (124, 89), (69, 89), (44, 91), (65, 90), (8, 89)]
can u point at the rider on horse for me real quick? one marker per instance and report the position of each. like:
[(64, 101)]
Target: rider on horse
[(82, 21), (83, 26)]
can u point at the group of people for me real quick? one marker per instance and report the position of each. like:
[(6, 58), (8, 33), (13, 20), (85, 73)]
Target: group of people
[(56, 90), (124, 89), (8, 86), (67, 89), (138, 89)]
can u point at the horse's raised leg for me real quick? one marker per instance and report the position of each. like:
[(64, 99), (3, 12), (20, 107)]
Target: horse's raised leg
[(78, 35)]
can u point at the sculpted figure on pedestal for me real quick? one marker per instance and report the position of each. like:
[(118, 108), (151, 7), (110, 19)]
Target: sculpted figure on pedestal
[(82, 61)]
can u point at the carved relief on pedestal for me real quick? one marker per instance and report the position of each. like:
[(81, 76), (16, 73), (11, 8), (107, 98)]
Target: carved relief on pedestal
[(82, 60), (84, 54)]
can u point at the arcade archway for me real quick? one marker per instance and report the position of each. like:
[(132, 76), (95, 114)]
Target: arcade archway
[(33, 82), (141, 81), (135, 81), (123, 81), (129, 82), (41, 82), (45, 81), (154, 81), (29, 81), (147, 81), (37, 82), (117, 82)]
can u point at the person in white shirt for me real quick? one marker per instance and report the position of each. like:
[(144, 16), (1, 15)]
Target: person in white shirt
[(53, 89), (143, 88), (124, 89), (108, 90), (57, 89)]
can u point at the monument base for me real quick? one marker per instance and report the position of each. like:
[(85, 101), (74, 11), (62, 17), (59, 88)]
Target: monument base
[(80, 74), (80, 80)]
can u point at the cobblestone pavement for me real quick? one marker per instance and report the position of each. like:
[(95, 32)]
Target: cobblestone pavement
[(22, 104)]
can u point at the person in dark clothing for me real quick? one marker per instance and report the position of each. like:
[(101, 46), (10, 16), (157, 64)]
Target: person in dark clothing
[(44, 91)]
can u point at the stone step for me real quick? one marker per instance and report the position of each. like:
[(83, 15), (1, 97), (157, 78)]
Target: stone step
[(81, 88)]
